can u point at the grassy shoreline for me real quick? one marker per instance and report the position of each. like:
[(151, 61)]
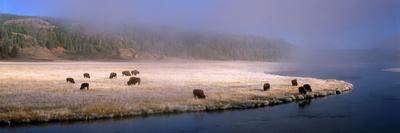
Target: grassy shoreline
[(37, 92)]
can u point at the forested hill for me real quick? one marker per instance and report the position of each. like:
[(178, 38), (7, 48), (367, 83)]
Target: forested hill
[(51, 39)]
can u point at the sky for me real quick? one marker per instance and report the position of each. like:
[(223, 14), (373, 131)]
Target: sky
[(348, 24)]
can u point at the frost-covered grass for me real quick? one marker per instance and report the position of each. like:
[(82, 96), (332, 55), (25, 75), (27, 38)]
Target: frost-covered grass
[(38, 92)]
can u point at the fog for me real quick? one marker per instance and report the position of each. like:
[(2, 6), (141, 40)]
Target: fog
[(308, 24)]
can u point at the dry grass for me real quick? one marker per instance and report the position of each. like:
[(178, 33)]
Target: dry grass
[(38, 91)]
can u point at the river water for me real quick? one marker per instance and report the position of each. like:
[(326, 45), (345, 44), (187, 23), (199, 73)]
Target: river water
[(373, 106)]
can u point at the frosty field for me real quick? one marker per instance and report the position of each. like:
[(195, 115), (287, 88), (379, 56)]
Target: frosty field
[(38, 92)]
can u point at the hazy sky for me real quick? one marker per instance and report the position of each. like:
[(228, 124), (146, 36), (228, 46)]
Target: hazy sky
[(318, 23)]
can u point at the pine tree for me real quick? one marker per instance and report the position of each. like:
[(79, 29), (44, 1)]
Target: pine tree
[(5, 51), (14, 52)]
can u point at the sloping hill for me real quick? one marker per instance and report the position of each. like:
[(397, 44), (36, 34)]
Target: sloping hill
[(82, 42), (30, 23)]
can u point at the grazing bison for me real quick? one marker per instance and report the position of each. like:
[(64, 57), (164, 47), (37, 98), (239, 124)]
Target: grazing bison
[(267, 86), (126, 73), (133, 81), (294, 82), (86, 75), (302, 90), (84, 85), (198, 93), (135, 72), (113, 75), (70, 80), (307, 87)]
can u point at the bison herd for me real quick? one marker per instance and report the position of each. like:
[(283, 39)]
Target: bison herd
[(302, 89), (197, 93), (132, 80)]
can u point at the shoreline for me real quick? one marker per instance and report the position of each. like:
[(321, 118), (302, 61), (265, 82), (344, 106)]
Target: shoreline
[(240, 106), (44, 97)]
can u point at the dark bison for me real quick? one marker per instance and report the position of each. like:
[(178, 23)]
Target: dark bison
[(199, 94), (133, 81), (338, 92), (113, 75), (302, 90), (294, 82), (267, 86), (307, 87), (126, 73), (84, 85), (70, 80), (86, 75), (135, 72)]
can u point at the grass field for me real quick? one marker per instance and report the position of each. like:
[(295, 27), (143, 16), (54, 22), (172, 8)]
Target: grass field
[(38, 92)]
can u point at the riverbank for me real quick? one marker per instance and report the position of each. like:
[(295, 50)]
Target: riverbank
[(37, 92)]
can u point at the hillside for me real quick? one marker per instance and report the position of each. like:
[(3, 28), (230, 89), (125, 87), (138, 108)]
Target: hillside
[(51, 39)]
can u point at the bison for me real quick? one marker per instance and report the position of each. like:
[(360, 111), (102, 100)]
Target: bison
[(302, 90), (126, 73), (199, 94), (84, 85), (133, 81), (70, 80), (267, 86), (86, 75), (135, 72), (307, 87), (294, 82), (113, 75), (338, 92)]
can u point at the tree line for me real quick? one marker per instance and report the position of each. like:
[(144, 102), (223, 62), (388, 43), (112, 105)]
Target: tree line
[(181, 44)]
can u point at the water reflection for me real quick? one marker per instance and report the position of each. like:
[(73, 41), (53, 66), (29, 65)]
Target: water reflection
[(304, 103)]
